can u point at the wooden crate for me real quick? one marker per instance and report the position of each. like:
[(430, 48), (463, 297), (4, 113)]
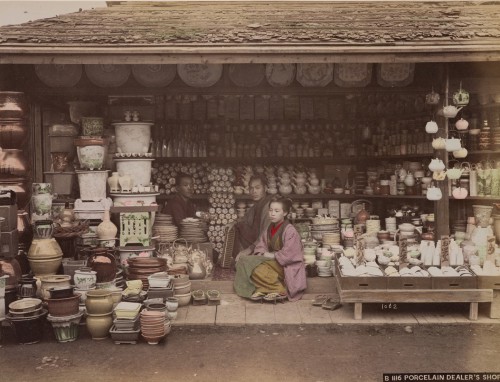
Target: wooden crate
[(408, 282), (360, 283), (465, 282), (488, 282)]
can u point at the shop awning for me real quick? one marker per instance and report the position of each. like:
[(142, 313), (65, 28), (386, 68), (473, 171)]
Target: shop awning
[(261, 31)]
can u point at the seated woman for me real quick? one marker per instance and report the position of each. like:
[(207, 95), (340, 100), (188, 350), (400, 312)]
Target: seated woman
[(276, 268)]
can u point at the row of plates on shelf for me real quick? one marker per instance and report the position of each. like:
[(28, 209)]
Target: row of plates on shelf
[(244, 75)]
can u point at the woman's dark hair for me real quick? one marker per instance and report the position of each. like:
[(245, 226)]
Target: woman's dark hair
[(285, 202), (181, 176), (260, 177)]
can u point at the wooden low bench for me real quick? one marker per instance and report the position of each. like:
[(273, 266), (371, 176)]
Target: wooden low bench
[(472, 296)]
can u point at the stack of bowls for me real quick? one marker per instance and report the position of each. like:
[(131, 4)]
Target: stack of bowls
[(140, 268), (182, 289), (99, 306), (153, 326), (324, 268)]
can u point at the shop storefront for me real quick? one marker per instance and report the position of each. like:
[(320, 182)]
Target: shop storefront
[(381, 121)]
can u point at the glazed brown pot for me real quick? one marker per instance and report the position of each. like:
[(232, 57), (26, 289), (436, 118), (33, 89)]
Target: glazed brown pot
[(12, 105), (13, 133), (13, 162)]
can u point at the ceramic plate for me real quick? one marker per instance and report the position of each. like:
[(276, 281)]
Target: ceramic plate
[(154, 76), (279, 75), (391, 74), (107, 75), (59, 75), (311, 75), (200, 75), (247, 75), (352, 74)]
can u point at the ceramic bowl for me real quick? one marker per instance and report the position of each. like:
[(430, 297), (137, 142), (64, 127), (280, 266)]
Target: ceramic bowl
[(184, 299)]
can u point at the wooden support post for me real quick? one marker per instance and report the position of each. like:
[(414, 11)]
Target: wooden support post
[(358, 310), (473, 310)]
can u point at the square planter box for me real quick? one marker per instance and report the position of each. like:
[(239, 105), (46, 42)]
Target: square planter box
[(62, 182)]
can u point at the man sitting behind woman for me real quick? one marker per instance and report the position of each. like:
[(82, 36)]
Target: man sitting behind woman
[(276, 267)]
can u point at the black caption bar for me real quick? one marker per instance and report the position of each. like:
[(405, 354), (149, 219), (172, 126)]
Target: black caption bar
[(441, 377)]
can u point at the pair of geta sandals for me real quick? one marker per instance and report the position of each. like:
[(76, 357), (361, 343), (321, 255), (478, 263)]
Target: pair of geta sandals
[(327, 302), (273, 297), (210, 297)]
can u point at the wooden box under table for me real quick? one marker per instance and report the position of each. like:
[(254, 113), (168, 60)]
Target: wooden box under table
[(454, 282), (409, 282)]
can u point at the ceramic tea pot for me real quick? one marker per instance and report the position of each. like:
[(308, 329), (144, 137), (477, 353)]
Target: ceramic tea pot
[(451, 111), (434, 193), (438, 143), (409, 180), (285, 189), (459, 154), (454, 173), (300, 178), (431, 127), (460, 193), (436, 165), (461, 97), (314, 189), (462, 124), (452, 144)]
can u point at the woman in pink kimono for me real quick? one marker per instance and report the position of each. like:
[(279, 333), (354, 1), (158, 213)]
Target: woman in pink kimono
[(276, 268)]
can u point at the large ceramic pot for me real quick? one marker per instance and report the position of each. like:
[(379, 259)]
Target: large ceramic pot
[(99, 301), (44, 249), (13, 133), (66, 328), (91, 152), (29, 330), (98, 325), (132, 137), (139, 169), (12, 105), (103, 262), (92, 184), (13, 163), (84, 278), (63, 307), (92, 126)]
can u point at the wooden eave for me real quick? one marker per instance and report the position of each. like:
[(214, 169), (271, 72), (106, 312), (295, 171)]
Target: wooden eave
[(257, 32)]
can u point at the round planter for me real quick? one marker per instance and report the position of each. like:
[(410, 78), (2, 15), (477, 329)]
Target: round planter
[(138, 169), (172, 304), (133, 137), (99, 301), (65, 328), (55, 281), (28, 330), (92, 184), (92, 126), (91, 157), (98, 325), (63, 306), (84, 279), (45, 267), (184, 299)]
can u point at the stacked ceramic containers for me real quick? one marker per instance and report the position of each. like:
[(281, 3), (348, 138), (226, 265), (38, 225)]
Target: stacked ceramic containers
[(27, 316), (182, 289), (14, 161), (160, 286), (64, 313), (125, 327), (99, 307), (154, 326)]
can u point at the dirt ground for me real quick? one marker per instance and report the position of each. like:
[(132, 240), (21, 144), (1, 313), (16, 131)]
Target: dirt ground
[(298, 353)]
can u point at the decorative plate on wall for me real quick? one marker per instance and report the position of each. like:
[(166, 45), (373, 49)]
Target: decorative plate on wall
[(392, 74), (247, 75), (155, 75), (310, 75), (200, 75), (352, 74), (107, 75), (279, 75), (59, 75)]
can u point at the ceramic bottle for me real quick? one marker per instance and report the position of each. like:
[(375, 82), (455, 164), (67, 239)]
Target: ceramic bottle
[(106, 230)]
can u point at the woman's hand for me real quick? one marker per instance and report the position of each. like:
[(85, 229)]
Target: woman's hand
[(245, 252), (269, 255)]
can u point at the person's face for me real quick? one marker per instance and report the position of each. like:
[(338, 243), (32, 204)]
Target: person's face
[(185, 188), (256, 190), (276, 212)]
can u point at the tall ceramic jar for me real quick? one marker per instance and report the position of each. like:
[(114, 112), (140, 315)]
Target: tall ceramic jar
[(99, 301), (98, 325), (106, 230)]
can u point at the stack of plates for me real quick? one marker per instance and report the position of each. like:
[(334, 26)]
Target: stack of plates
[(164, 228), (139, 268), (331, 238), (194, 230)]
